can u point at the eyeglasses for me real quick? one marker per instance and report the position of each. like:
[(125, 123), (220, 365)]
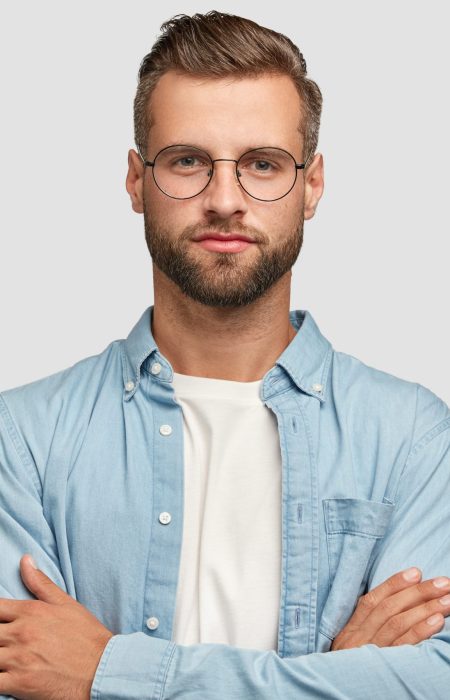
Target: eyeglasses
[(182, 172)]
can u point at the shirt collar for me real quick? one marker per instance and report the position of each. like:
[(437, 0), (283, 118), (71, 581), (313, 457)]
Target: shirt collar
[(306, 359)]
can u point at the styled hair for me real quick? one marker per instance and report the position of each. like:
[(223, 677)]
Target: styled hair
[(217, 45)]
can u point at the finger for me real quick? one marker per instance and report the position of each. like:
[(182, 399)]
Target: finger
[(12, 609), (6, 660), (41, 585), (7, 685), (398, 625), (406, 600), (398, 582), (423, 630)]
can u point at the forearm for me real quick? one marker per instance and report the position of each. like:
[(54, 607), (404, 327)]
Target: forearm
[(134, 666)]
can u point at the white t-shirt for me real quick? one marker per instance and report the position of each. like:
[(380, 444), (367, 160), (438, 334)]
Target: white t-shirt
[(230, 569)]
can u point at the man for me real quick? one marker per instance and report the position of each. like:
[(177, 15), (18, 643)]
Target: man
[(221, 489)]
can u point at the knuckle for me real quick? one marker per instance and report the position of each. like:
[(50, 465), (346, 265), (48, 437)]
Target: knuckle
[(26, 634), (387, 607), (23, 659), (416, 635), (368, 601), (432, 607), (29, 683), (395, 624), (393, 583), (423, 590)]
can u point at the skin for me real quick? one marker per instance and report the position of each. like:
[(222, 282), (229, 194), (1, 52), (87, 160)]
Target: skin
[(226, 118), (38, 659)]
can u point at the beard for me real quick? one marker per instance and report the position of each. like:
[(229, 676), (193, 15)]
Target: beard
[(224, 280)]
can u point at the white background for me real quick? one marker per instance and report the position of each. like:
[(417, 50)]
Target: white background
[(75, 272)]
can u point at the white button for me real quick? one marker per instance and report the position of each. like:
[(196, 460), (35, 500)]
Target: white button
[(156, 368), (152, 623), (165, 518), (165, 430), (129, 386), (317, 387)]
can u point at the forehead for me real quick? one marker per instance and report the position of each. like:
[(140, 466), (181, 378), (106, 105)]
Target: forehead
[(226, 113)]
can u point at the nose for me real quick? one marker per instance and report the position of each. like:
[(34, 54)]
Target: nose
[(224, 197)]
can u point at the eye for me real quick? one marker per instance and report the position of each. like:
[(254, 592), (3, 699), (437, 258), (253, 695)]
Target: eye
[(187, 161), (262, 165), (259, 164)]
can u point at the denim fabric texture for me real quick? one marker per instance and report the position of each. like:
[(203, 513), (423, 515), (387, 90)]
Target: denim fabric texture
[(90, 456)]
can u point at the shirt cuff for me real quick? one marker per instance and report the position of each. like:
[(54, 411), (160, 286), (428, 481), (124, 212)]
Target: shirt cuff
[(133, 667)]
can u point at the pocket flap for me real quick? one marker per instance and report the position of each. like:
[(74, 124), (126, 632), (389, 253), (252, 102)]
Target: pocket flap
[(356, 516)]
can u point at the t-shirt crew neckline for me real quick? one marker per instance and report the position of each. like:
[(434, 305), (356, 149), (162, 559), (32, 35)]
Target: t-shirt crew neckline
[(188, 385)]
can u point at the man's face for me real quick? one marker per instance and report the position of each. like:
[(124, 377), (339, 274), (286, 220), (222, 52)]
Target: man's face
[(225, 117)]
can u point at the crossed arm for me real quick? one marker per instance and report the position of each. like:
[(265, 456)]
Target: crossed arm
[(41, 656), (39, 660)]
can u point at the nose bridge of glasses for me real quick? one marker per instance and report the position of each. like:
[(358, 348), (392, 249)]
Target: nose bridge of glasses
[(225, 160)]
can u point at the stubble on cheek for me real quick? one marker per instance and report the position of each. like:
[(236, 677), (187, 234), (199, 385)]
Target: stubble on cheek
[(221, 279)]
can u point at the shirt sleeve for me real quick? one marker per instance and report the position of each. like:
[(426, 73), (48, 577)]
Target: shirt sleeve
[(23, 528), (138, 666)]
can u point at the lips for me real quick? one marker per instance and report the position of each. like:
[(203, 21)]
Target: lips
[(217, 242), (223, 237)]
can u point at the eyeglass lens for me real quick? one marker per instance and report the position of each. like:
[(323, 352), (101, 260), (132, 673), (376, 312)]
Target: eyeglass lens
[(264, 173)]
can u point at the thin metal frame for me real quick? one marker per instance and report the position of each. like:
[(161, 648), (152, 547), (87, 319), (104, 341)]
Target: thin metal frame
[(151, 164)]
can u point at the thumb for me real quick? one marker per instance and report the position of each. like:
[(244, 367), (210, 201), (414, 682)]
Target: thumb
[(39, 584)]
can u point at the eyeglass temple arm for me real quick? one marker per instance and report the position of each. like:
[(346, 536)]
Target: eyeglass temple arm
[(145, 162), (301, 166)]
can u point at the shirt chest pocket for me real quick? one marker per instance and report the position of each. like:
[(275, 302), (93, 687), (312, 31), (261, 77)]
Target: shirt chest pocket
[(353, 527)]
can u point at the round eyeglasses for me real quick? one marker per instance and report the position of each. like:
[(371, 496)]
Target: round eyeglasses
[(182, 172)]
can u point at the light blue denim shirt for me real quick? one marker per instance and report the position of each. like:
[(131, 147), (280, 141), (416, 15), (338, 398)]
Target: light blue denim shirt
[(90, 456)]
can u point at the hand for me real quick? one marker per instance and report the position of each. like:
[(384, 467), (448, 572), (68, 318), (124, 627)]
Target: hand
[(49, 648), (402, 610)]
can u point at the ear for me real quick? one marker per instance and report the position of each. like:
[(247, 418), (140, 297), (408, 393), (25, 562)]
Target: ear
[(135, 181), (314, 184)]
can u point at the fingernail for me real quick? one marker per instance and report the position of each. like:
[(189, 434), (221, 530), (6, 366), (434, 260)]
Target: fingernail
[(441, 582), (445, 600), (435, 619), (411, 574), (32, 562)]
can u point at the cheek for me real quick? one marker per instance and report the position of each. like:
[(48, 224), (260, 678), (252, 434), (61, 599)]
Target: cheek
[(171, 213), (284, 217)]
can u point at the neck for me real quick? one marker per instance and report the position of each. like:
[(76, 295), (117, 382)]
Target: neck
[(239, 344)]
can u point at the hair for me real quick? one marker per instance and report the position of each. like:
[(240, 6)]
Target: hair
[(217, 45)]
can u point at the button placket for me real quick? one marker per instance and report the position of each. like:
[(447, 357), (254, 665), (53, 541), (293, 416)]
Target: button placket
[(165, 537)]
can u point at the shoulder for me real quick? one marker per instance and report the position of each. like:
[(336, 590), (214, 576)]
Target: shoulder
[(384, 396), (68, 382), (31, 413)]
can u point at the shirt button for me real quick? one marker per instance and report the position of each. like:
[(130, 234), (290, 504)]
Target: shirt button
[(165, 518), (165, 430), (156, 368), (152, 623), (129, 386), (317, 387)]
